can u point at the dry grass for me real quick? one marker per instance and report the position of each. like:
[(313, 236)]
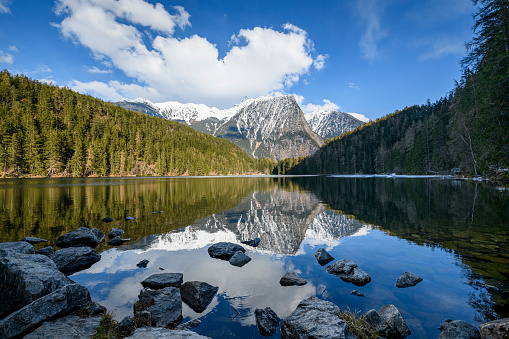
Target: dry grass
[(358, 325)]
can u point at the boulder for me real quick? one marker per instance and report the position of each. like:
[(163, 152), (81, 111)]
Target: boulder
[(315, 318), (497, 329), (25, 278), (47, 251), (81, 236), (376, 322), (323, 257), (253, 243), (74, 259), (143, 263), (189, 324), (130, 218), (357, 293), (33, 240), (348, 271), (164, 333), (58, 303), (68, 327), (292, 279), (107, 219), (198, 294), (458, 329), (117, 241), (267, 321), (239, 259), (115, 232), (96, 309), (18, 247), (224, 250), (165, 306), (126, 326), (397, 325), (162, 280), (408, 279)]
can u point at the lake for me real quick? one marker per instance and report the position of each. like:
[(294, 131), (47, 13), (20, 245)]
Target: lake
[(454, 234)]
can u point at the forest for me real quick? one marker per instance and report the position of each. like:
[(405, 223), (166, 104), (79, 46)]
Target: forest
[(50, 131), (465, 132)]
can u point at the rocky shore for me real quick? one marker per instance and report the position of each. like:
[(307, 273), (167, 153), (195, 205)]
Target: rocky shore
[(39, 300)]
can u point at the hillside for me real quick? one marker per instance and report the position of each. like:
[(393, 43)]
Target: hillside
[(50, 131), (331, 123)]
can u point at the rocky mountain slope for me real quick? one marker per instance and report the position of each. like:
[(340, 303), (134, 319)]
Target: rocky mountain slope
[(331, 123)]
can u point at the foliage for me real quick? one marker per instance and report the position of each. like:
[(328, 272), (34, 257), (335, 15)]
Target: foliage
[(358, 325), (107, 328)]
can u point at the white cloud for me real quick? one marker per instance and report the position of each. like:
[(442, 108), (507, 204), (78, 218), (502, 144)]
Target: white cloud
[(97, 70), (42, 69), (319, 62), (6, 58), (369, 12), (13, 49), (441, 47), (353, 86), (327, 105), (188, 69), (4, 6), (114, 90)]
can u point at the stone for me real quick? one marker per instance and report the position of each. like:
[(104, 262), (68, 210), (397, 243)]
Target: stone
[(157, 212), (81, 236), (143, 263), (115, 232), (96, 309), (253, 243), (323, 257), (292, 279), (348, 271), (69, 327), (496, 329), (18, 247), (189, 324), (315, 318), (266, 321), (239, 259), (130, 218), (198, 294), (162, 280), (47, 251), (58, 303), (117, 241), (164, 333), (376, 322), (126, 326), (107, 219), (25, 278), (397, 325), (165, 306), (224, 250), (73, 259), (408, 279), (458, 329), (357, 293), (33, 240)]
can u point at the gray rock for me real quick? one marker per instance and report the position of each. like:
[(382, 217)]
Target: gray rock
[(458, 329), (96, 309), (115, 232), (25, 278), (253, 243), (164, 333), (397, 325), (107, 219), (189, 324), (69, 327), (376, 322), (18, 247), (348, 271), (408, 279), (497, 329), (74, 259), (130, 218), (117, 241), (267, 321), (157, 212), (315, 318), (165, 306), (323, 257), (33, 240), (239, 259), (224, 250), (292, 279), (162, 280), (126, 326), (81, 236), (58, 303), (357, 293), (198, 294), (47, 251), (143, 263)]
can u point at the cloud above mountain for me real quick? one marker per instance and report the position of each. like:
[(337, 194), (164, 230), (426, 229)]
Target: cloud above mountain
[(138, 38)]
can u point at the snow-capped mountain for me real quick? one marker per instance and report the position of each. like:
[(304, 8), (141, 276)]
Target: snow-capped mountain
[(331, 123)]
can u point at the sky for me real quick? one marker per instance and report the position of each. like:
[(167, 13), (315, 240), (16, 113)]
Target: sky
[(363, 56)]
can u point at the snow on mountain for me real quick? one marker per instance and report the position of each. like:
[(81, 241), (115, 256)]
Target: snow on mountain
[(359, 116), (173, 110), (331, 123)]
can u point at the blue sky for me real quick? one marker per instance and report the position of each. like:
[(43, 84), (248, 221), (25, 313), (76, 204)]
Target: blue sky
[(367, 56)]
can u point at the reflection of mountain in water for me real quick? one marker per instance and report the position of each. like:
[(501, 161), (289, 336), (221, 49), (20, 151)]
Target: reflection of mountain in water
[(281, 219)]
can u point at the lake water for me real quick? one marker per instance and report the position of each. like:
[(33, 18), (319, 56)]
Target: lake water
[(453, 234)]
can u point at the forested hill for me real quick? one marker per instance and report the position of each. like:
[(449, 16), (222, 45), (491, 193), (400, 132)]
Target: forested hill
[(46, 130), (467, 132)]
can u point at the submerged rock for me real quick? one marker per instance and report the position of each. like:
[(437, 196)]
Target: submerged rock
[(224, 250), (292, 279), (115, 232), (117, 241), (162, 280), (107, 219), (189, 324), (164, 333), (408, 279), (68, 327), (458, 329), (19, 247), (348, 271), (266, 321), (164, 306), (143, 263), (239, 259), (74, 259), (357, 293), (130, 218), (81, 236), (198, 294), (397, 325), (253, 243), (33, 240), (315, 318), (495, 329), (47, 251), (376, 322), (323, 257)]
